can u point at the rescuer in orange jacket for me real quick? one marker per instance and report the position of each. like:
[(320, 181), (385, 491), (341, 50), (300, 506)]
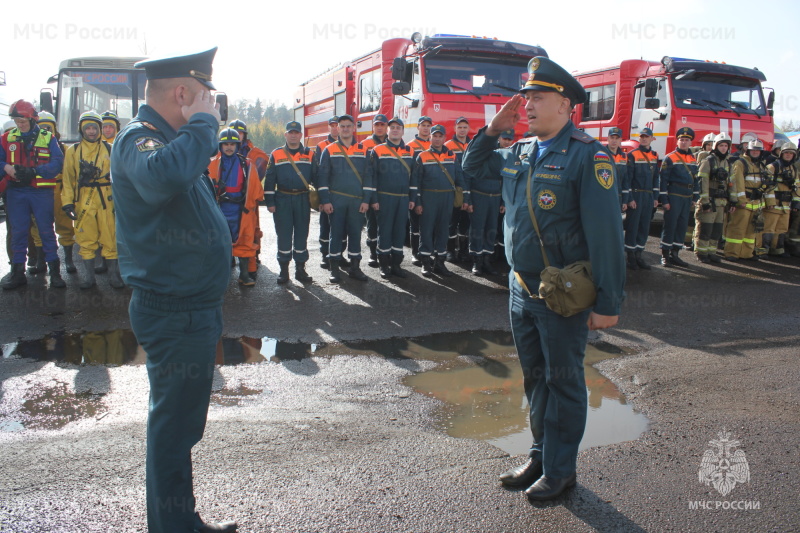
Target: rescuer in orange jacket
[(379, 127), (420, 143), (324, 219), (458, 234), (238, 194)]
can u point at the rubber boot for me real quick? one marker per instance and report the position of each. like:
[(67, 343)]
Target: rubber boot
[(463, 250), (397, 259), (632, 264), (386, 269), (452, 254), (114, 279), (100, 266), (415, 258), (477, 265), (355, 270), (780, 249), (32, 255), (440, 268), (54, 270), (87, 276), (373, 255), (300, 273), (39, 266), (487, 266), (714, 258), (640, 262), (677, 261), (336, 274), (69, 264), (254, 274), (15, 278), (427, 265), (244, 275), (283, 276), (666, 258)]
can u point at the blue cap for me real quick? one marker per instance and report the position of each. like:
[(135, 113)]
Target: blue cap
[(459, 120), (507, 134), (615, 131), (197, 66), (347, 117), (294, 126), (544, 74), (397, 120), (646, 131), (380, 118), (333, 120), (423, 118), (438, 129), (685, 131)]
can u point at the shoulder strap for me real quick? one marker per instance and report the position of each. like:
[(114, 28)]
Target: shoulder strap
[(533, 216), (394, 153), (294, 166), (687, 167), (452, 183), (347, 157)]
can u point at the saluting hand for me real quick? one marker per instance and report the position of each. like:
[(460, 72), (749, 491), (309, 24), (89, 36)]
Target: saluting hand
[(203, 103), (508, 116)]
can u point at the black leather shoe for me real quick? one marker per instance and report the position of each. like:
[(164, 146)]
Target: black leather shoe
[(221, 527), (522, 476), (549, 488)]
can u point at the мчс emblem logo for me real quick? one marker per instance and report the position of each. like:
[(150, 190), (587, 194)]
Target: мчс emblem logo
[(547, 199), (604, 173), (721, 466)]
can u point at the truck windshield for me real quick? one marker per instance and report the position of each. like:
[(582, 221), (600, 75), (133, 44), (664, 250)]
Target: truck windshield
[(97, 90), (450, 73), (711, 91)]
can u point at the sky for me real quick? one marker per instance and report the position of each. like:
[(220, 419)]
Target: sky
[(267, 50)]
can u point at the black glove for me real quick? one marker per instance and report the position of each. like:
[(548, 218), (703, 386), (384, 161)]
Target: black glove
[(70, 211), (706, 207), (24, 175)]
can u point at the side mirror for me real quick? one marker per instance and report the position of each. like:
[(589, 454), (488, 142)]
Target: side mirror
[(401, 87), (399, 68), (650, 87), (46, 100), (222, 100), (652, 103), (771, 99)]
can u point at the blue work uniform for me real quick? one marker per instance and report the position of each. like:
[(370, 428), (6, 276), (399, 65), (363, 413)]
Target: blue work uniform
[(346, 190), (621, 167), (288, 194), (679, 188), (392, 166), (576, 208), (324, 218), (37, 149), (371, 217), (418, 145), (459, 232), (485, 192), (435, 193), (174, 249), (642, 187)]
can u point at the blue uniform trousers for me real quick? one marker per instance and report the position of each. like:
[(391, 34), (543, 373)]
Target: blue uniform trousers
[(21, 203), (372, 227), (551, 350), (675, 222), (232, 212), (434, 222), (325, 235), (180, 347), (483, 223), (392, 219), (346, 226), (637, 225), (292, 216)]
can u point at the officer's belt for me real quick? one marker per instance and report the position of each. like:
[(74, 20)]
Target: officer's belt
[(438, 190), (293, 191), (680, 195), (642, 190), (681, 185), (348, 195), (393, 193), (493, 195)]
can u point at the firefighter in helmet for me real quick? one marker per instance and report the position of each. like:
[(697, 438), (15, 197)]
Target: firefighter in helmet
[(746, 195), (31, 160), (64, 229), (259, 159), (111, 126), (238, 192), (705, 148), (779, 200), (87, 199), (713, 175)]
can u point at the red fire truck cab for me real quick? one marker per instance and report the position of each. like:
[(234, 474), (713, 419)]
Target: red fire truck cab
[(664, 96), (443, 77)]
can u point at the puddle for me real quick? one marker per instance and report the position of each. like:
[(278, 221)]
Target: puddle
[(55, 407), (487, 402), (233, 397)]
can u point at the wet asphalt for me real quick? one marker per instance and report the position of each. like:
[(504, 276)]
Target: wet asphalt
[(330, 444)]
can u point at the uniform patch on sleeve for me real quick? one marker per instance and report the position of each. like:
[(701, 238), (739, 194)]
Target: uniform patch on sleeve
[(604, 173), (148, 144), (602, 156)]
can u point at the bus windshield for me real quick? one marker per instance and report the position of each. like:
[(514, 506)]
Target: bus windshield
[(99, 91), (715, 92), (478, 75)]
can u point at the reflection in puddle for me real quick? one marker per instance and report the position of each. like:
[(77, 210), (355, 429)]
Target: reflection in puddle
[(487, 402), (233, 397)]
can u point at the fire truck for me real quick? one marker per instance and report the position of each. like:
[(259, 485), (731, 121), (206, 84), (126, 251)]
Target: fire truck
[(709, 97), (443, 77)]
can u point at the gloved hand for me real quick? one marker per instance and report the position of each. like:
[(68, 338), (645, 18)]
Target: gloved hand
[(24, 175), (706, 207), (69, 209)]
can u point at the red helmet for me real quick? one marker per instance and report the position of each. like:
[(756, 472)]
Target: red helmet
[(22, 109)]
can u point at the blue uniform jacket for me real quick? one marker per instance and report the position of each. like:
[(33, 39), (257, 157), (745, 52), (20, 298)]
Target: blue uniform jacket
[(642, 173), (428, 174), (336, 176), (676, 178), (173, 242), (281, 174), (576, 206), (391, 176)]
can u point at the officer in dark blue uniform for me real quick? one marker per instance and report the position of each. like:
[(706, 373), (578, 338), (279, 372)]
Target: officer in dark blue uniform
[(567, 179), (174, 250)]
